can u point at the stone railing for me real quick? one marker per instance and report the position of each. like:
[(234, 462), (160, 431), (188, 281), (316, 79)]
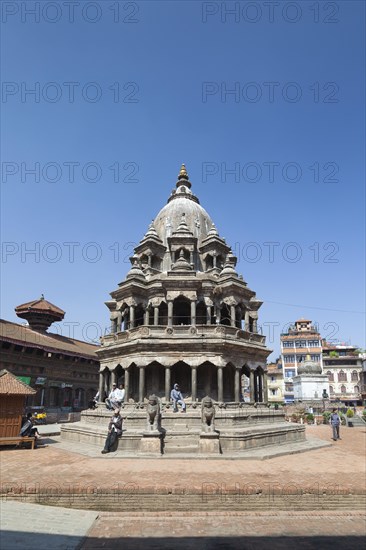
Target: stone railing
[(185, 331)]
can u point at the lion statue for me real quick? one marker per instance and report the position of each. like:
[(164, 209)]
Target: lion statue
[(207, 414), (153, 413)]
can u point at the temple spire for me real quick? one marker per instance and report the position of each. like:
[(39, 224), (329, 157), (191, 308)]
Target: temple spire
[(183, 177)]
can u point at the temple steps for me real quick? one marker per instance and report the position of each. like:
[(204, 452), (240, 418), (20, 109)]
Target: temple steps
[(194, 501)]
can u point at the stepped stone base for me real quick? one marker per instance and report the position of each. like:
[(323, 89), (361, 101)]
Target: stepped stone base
[(238, 430)]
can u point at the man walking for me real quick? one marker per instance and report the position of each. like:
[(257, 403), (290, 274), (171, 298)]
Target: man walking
[(335, 422)]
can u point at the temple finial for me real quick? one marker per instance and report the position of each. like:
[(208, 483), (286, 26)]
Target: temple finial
[(183, 180), (183, 173)]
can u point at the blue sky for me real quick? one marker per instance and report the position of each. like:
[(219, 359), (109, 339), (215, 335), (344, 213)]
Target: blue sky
[(264, 105)]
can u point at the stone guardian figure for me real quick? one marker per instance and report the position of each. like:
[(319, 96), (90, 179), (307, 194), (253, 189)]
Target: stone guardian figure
[(153, 413), (207, 415)]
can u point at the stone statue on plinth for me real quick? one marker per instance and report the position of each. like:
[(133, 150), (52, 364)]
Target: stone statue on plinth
[(153, 413), (207, 415)]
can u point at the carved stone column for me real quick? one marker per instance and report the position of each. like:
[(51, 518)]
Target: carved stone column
[(156, 316), (114, 377), (147, 317), (170, 313), (218, 315), (260, 387), (220, 387), (208, 315), (194, 384), (252, 386), (255, 325), (101, 387), (193, 313), (246, 317), (127, 385), (119, 321), (265, 388), (167, 384), (132, 316), (237, 386), (141, 384), (232, 316), (114, 326)]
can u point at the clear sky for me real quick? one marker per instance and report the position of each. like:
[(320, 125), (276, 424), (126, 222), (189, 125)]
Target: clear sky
[(263, 101)]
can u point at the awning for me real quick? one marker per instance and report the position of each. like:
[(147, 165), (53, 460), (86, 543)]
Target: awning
[(25, 379)]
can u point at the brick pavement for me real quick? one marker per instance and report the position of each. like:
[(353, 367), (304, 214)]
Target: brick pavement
[(231, 530), (337, 470), (342, 464)]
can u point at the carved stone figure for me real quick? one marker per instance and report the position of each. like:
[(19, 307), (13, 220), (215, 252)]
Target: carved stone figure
[(207, 414), (153, 413)]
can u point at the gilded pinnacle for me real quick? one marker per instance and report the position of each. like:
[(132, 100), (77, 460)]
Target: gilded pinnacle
[(183, 173)]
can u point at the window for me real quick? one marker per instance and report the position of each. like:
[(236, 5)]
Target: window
[(313, 344), (289, 358), (330, 376), (300, 344), (342, 376), (315, 357), (273, 392), (354, 376), (356, 389), (343, 389), (287, 344), (331, 389), (289, 373)]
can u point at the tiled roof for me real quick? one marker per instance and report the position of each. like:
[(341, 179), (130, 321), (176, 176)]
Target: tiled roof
[(40, 305), (25, 336), (10, 385)]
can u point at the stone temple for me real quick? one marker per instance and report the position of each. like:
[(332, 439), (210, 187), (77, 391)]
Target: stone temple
[(184, 315)]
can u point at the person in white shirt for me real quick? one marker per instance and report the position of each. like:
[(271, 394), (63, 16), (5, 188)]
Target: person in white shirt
[(116, 397)]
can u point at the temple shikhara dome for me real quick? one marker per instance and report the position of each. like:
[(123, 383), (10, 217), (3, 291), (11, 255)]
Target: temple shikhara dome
[(184, 316)]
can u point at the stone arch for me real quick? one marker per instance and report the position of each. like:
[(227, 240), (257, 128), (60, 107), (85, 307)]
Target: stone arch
[(207, 380), (245, 390), (208, 262), (181, 374), (181, 311), (229, 382), (163, 314), (156, 262), (133, 382), (125, 314), (139, 315), (201, 313), (225, 315), (155, 379), (119, 375)]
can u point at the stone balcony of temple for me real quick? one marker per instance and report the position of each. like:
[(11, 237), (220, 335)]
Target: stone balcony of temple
[(184, 331)]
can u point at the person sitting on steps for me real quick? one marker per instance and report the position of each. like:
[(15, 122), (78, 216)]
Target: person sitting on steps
[(177, 398)]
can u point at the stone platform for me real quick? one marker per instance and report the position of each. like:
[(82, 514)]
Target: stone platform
[(238, 430)]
